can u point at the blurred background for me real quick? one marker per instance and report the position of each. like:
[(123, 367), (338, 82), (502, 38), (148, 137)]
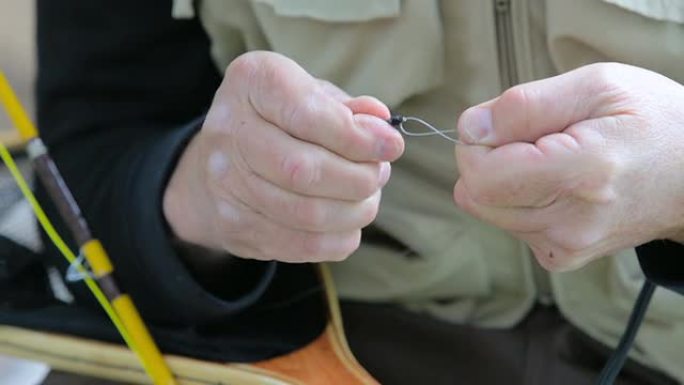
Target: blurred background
[(17, 51), (18, 62)]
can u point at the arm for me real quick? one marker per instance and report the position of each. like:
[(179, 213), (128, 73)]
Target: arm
[(122, 88), (284, 167)]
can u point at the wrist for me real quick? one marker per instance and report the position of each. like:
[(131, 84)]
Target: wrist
[(181, 203)]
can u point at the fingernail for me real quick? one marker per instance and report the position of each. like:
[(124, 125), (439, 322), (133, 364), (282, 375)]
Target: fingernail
[(385, 170), (477, 125)]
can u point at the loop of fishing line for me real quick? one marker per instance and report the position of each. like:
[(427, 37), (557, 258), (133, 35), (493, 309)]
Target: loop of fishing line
[(397, 121)]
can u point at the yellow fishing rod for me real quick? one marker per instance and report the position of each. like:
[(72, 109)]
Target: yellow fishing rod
[(116, 303)]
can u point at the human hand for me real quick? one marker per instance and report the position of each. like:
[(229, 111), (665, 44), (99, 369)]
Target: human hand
[(578, 165), (286, 167)]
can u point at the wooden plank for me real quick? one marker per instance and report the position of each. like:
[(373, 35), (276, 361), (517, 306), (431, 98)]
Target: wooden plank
[(115, 362), (319, 363)]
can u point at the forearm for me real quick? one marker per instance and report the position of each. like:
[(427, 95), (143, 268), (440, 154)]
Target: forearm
[(119, 87)]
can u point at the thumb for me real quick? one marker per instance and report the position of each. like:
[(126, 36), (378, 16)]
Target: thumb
[(532, 110)]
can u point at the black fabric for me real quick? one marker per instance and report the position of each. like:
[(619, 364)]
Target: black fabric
[(121, 89), (23, 282), (663, 263), (271, 327)]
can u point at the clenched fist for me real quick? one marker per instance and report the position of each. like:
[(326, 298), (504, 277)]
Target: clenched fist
[(286, 167), (579, 165)]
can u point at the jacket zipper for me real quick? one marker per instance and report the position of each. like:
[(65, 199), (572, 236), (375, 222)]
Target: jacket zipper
[(508, 70), (504, 39)]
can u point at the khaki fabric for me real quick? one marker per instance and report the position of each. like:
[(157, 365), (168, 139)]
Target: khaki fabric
[(433, 59)]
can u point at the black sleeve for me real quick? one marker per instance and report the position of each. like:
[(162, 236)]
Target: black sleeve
[(663, 263), (121, 89)]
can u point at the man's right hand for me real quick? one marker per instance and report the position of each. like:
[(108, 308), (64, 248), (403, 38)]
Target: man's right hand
[(286, 167)]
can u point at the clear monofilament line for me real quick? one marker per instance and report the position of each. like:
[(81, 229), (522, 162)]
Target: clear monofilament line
[(399, 124)]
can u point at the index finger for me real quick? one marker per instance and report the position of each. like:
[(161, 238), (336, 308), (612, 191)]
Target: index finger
[(282, 93), (521, 174)]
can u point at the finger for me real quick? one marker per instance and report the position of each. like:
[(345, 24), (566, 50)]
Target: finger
[(523, 174), (363, 106), (298, 211), (303, 247), (529, 111), (359, 105), (523, 220), (368, 105), (258, 237), (372, 115), (304, 168), (282, 93), (334, 91), (390, 147)]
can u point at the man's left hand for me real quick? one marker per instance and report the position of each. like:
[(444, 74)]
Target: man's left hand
[(578, 165)]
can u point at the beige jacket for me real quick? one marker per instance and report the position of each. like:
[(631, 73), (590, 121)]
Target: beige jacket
[(433, 59)]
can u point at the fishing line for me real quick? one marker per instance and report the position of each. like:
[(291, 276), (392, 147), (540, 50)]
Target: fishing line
[(398, 121)]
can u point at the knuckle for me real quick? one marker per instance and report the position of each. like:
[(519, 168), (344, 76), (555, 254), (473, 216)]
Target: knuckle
[(242, 68), (229, 215), (605, 76), (299, 114), (299, 171), (272, 79), (598, 185), (219, 187), (602, 71), (349, 139), (609, 167), (516, 97)]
